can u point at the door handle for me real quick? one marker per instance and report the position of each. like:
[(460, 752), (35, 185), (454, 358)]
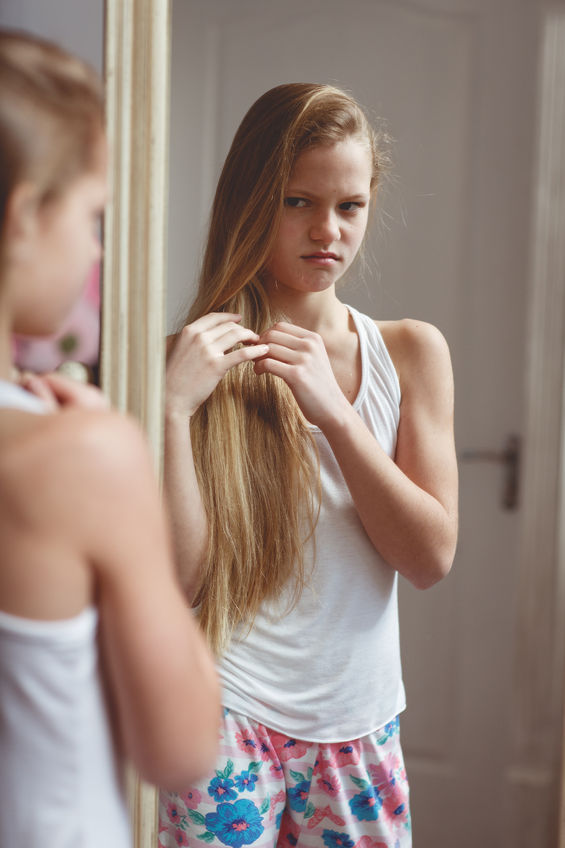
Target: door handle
[(510, 458)]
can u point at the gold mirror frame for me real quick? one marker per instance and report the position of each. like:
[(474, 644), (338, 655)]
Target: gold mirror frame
[(137, 50)]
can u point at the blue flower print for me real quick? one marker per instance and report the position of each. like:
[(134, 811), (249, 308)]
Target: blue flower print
[(246, 780), (222, 789), (366, 805), (392, 727), (389, 730), (298, 796), (236, 824), (333, 839)]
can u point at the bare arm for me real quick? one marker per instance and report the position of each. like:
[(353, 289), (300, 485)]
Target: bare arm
[(162, 677), (188, 518), (198, 357), (408, 506)]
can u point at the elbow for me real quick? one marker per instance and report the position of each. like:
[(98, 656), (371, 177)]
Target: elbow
[(434, 568), (179, 747), (437, 558), (181, 776), (186, 762), (427, 578), (196, 759)]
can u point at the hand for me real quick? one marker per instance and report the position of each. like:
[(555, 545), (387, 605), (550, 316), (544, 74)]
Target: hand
[(57, 391), (299, 357), (200, 358)]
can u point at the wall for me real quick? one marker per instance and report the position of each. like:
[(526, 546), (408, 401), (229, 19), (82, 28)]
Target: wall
[(77, 25)]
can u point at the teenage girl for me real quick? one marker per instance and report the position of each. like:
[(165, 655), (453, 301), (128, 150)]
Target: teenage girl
[(309, 461), (85, 565)]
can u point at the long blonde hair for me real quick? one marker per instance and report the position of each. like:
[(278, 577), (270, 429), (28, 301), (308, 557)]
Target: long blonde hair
[(255, 457)]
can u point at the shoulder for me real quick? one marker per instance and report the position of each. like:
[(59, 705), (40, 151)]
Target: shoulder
[(419, 352), (410, 337), (79, 452)]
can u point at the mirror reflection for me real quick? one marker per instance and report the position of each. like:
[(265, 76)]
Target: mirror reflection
[(457, 83)]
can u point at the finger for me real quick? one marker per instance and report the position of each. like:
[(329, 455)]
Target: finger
[(244, 354), (281, 338), (214, 319), (206, 324), (35, 384), (69, 391), (282, 353), (275, 367), (62, 387), (289, 329), (207, 331), (235, 335)]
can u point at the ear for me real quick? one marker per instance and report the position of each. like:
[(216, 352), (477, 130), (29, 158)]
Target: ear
[(21, 218)]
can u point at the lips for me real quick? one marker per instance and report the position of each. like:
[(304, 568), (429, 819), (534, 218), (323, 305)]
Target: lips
[(322, 256)]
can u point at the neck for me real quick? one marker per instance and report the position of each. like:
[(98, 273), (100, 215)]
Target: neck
[(315, 311)]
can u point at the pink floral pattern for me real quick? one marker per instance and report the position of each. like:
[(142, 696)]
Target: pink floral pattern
[(329, 783), (268, 789), (367, 842), (289, 749), (192, 799)]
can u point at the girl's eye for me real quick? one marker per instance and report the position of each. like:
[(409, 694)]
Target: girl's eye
[(351, 206), (295, 202)]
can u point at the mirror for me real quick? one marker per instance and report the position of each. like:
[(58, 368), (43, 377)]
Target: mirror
[(469, 244), (475, 101)]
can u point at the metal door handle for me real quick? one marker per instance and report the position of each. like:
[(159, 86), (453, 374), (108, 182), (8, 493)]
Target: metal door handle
[(509, 457)]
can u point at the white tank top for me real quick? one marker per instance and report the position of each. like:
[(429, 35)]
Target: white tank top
[(330, 670), (60, 785)]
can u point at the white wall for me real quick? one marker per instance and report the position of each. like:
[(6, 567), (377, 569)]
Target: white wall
[(77, 25)]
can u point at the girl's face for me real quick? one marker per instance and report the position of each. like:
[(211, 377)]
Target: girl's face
[(324, 218), (64, 245)]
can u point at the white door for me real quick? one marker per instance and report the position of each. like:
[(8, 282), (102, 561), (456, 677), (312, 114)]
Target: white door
[(456, 82)]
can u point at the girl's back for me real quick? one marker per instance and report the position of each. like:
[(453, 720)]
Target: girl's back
[(55, 737)]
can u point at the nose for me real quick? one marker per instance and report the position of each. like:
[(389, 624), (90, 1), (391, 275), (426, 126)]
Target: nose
[(325, 227)]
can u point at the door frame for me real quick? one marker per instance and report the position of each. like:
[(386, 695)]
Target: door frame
[(541, 589)]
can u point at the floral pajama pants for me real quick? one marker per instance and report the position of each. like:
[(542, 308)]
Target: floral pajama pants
[(272, 791)]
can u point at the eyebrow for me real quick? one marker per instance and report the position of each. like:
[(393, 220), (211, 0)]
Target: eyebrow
[(298, 192)]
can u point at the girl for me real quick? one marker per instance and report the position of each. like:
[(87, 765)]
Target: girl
[(84, 548), (320, 454)]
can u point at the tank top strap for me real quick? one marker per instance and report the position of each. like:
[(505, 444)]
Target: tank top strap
[(13, 396), (376, 361)]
